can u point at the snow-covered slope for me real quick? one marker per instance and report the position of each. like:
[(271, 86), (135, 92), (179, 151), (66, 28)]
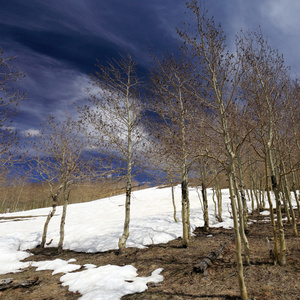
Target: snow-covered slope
[(96, 226)]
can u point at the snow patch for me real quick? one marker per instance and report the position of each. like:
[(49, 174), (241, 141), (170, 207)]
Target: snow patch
[(57, 265), (10, 255), (265, 213), (108, 282)]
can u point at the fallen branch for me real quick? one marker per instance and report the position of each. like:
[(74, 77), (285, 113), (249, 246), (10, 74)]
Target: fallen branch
[(208, 260), (9, 283)]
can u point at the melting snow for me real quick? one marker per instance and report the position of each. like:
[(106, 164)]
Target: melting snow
[(96, 226)]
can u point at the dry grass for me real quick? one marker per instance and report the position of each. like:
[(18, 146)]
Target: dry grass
[(19, 196)]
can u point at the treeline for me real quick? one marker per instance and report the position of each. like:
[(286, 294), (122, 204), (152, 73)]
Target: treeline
[(209, 115)]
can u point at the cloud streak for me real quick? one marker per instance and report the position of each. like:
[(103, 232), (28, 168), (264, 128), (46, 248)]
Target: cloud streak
[(58, 42), (30, 132)]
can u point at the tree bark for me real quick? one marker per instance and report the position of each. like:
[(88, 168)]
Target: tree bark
[(287, 192), (125, 235), (202, 164), (50, 215), (238, 244), (173, 198), (275, 251), (242, 193), (184, 174), (219, 199), (241, 221), (282, 253), (63, 219), (295, 192), (184, 212), (45, 230)]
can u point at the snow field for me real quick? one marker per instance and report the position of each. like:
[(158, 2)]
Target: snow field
[(96, 226)]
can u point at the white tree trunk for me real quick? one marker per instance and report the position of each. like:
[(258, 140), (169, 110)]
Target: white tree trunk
[(125, 235), (282, 244), (63, 219)]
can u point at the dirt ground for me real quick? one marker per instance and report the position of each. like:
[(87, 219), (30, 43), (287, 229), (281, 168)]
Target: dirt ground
[(263, 279)]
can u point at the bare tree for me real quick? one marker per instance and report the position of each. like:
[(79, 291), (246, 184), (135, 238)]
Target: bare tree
[(10, 97), (263, 81), (58, 158), (282, 152), (289, 134), (203, 166), (171, 105), (241, 190), (219, 72), (162, 160), (113, 117), (218, 193)]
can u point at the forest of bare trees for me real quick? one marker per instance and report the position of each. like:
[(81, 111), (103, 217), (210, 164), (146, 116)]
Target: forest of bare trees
[(206, 117)]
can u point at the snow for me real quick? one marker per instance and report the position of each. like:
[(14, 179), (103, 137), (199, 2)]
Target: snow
[(10, 255), (97, 226), (57, 265), (108, 282), (265, 213)]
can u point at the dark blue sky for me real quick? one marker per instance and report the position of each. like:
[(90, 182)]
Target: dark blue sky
[(57, 42)]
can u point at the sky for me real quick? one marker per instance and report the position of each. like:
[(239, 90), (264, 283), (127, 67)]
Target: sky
[(57, 42)]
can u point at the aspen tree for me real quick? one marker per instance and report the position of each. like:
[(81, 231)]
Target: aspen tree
[(242, 191), (275, 236), (57, 159), (202, 163), (291, 117), (10, 98), (172, 105), (161, 159), (281, 136), (263, 81), (220, 71), (202, 146), (170, 171), (218, 192), (113, 118)]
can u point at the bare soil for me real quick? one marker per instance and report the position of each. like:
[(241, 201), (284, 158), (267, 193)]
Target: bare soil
[(264, 280)]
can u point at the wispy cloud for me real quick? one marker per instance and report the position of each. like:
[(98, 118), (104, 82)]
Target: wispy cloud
[(283, 15), (30, 132), (58, 42)]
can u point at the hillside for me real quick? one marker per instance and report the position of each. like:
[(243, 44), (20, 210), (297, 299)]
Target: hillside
[(92, 231)]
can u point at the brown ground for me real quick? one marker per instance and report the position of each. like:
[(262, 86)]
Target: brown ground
[(263, 279)]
